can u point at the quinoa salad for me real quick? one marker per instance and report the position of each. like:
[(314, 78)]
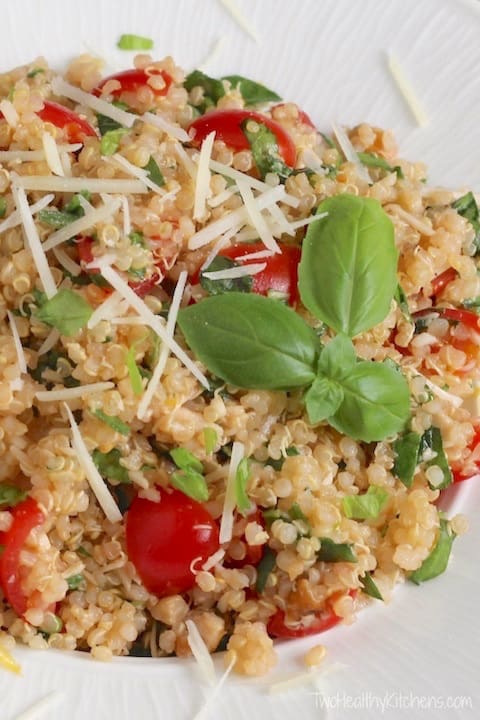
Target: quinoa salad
[(238, 366)]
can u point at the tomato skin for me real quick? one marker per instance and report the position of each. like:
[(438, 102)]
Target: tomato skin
[(466, 317), (164, 538), (75, 127), (226, 125), (325, 620), (26, 516), (281, 273), (132, 80), (440, 282)]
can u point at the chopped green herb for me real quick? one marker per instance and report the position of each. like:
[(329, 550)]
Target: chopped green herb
[(108, 465), (3, 206), (110, 142), (72, 211), (467, 207), (218, 287), (264, 146), (189, 478), (406, 450), (185, 460), (367, 506), (106, 124), (328, 141), (83, 552), (472, 303), (213, 89), (264, 568), (370, 587), (137, 238), (67, 311), (432, 441), (154, 173), (210, 439), (75, 582), (278, 464), (241, 479), (252, 92), (134, 42), (114, 422), (436, 563), (296, 513), (402, 302), (331, 551), (11, 495), (133, 371), (375, 161), (35, 71)]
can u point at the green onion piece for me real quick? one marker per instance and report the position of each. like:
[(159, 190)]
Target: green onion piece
[(114, 422), (108, 465), (264, 568), (185, 460), (210, 439), (296, 513), (367, 506), (370, 587), (137, 238), (133, 371), (241, 479), (331, 551), (134, 42)]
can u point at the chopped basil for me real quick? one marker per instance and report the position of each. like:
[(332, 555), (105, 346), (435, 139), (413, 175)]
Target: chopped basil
[(134, 42), (472, 304), (328, 141), (76, 582), (134, 371), (278, 464), (11, 495), (217, 287), (331, 551), (296, 513), (137, 238), (375, 161), (185, 460), (3, 206), (83, 552), (35, 71), (406, 450), (189, 478), (367, 506), (432, 441), (106, 124), (264, 568), (213, 89), (402, 302), (264, 146), (67, 311), (114, 422), (241, 479), (154, 172), (110, 141), (108, 465), (467, 207), (369, 586), (210, 439), (436, 563), (72, 211), (252, 92)]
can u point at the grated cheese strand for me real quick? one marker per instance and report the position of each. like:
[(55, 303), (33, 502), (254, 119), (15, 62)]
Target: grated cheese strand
[(137, 172), (51, 183), (21, 359), (66, 261), (407, 91), (127, 224), (49, 342), (215, 50), (240, 19), (213, 560), (107, 310), (63, 88), (34, 155), (255, 255), (259, 185), (9, 113), (89, 220), (222, 242), (256, 217), (202, 185), (416, 223), (226, 524), (33, 240), (210, 700), (52, 156), (174, 131), (95, 480), (72, 393), (14, 218), (186, 161), (236, 272), (201, 653), (350, 153), (152, 386), (36, 710)]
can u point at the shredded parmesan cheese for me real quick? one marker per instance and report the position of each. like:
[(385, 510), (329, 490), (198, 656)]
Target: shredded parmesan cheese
[(240, 19), (201, 653), (186, 161), (95, 480), (226, 524), (256, 217), (52, 155), (222, 242), (202, 186), (442, 394), (33, 241), (259, 185), (62, 88), (33, 155), (350, 153), (9, 113), (205, 710), (407, 91), (67, 262), (49, 342), (110, 308), (223, 196), (255, 255), (21, 360), (174, 131), (236, 272), (36, 710), (213, 560), (15, 219), (127, 225), (89, 220), (416, 223), (214, 52), (50, 183), (72, 393), (137, 172)]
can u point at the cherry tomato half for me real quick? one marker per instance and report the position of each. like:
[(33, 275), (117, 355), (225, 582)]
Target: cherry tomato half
[(134, 79), (324, 620), (76, 128), (164, 538), (227, 127), (26, 516)]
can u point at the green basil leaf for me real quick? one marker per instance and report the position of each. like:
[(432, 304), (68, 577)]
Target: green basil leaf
[(376, 402), (251, 341), (322, 399), (134, 42), (3, 206), (296, 513), (264, 568), (213, 89), (186, 460), (370, 587), (11, 495), (467, 207), (337, 358), (114, 422), (108, 465), (348, 270), (55, 218), (110, 141), (242, 475), (331, 551), (133, 371), (402, 302), (432, 441), (264, 147), (191, 483), (210, 439), (154, 172), (217, 287), (107, 124), (278, 464), (367, 506), (252, 92), (137, 238), (375, 161), (406, 450), (436, 563), (75, 582), (66, 311)]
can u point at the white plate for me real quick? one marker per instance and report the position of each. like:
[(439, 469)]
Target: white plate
[(329, 56)]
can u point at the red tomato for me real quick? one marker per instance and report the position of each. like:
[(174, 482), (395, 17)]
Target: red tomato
[(325, 619), (75, 127), (302, 115), (440, 282), (164, 538), (26, 516), (281, 273), (134, 79), (466, 317), (226, 125)]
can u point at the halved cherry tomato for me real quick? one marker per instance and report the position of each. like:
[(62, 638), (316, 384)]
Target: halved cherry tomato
[(132, 80), (227, 127), (26, 516), (440, 282), (459, 475), (302, 115), (76, 128), (280, 274), (324, 620), (164, 538)]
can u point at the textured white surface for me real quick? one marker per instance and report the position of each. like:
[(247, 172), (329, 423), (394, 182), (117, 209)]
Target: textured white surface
[(330, 57)]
